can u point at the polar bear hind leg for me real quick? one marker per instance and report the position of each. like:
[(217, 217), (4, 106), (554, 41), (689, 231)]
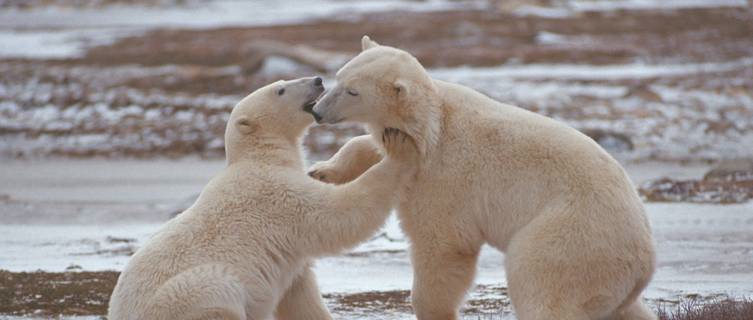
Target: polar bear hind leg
[(555, 270), (634, 311), (204, 292), (303, 301)]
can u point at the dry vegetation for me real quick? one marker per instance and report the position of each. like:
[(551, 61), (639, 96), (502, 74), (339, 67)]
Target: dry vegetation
[(86, 293), (168, 93), (453, 38), (718, 310)]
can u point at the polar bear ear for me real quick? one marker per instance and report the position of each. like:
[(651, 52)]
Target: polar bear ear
[(367, 43), (401, 88), (245, 125)]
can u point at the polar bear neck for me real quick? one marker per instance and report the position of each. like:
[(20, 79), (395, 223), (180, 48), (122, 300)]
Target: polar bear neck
[(420, 117), (266, 149)]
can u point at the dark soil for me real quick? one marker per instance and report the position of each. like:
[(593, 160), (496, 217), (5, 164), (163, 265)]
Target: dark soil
[(51, 294)]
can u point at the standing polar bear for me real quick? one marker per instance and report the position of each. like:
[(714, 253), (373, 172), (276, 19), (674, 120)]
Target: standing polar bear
[(243, 250), (577, 241)]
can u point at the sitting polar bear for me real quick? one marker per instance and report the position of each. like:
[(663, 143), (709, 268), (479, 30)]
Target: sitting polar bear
[(577, 241), (243, 250)]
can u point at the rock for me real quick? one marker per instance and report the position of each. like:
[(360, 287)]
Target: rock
[(730, 182), (734, 169), (111, 239), (318, 59), (644, 92), (73, 267)]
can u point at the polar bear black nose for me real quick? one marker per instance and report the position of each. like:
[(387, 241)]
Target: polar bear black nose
[(318, 81)]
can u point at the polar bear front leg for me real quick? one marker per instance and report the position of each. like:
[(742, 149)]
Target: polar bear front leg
[(442, 276), (350, 213), (302, 301), (352, 160)]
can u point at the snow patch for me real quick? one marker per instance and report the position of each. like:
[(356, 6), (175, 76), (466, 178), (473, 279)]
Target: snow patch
[(589, 72)]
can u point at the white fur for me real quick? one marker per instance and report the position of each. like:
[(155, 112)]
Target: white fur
[(577, 241), (243, 250)]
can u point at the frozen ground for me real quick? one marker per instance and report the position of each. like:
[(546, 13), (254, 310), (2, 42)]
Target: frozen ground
[(680, 117), (72, 215), (645, 84)]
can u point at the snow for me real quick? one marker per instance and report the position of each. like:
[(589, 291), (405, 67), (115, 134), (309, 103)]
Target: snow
[(588, 72), (610, 5), (64, 32), (7, 317), (57, 247), (569, 8), (55, 42), (543, 12), (38, 44), (674, 125), (702, 249), (218, 13), (275, 65), (545, 37)]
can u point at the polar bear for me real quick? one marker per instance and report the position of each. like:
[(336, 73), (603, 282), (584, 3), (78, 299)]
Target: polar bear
[(576, 238), (243, 250)]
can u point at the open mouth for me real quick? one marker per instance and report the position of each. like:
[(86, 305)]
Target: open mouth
[(309, 107)]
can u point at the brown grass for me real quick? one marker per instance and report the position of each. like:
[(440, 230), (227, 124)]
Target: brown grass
[(49, 293), (224, 62), (718, 310), (87, 293), (455, 38)]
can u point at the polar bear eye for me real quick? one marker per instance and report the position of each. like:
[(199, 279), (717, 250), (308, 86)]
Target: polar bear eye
[(280, 92), (352, 92)]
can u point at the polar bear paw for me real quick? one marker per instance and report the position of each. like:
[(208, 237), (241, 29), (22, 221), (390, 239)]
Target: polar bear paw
[(323, 172), (399, 145)]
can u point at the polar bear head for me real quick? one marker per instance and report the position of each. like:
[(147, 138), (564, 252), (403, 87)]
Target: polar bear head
[(280, 111), (382, 87)]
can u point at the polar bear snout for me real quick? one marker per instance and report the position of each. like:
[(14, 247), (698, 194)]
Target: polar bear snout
[(324, 110), (316, 88)]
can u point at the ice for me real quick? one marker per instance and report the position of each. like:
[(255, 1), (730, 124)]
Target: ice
[(702, 249), (57, 247), (588, 72)]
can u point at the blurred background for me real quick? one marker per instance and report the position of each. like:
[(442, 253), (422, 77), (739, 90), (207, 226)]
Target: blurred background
[(112, 114)]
